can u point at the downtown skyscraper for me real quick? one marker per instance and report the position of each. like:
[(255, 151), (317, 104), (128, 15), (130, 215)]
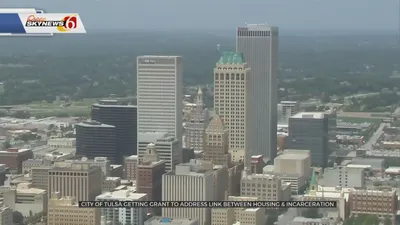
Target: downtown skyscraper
[(259, 45), (159, 94)]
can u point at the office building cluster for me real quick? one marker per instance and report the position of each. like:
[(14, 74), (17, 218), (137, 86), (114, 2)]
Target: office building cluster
[(248, 148)]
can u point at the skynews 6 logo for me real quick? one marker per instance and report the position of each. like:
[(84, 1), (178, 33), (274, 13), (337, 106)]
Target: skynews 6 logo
[(64, 25)]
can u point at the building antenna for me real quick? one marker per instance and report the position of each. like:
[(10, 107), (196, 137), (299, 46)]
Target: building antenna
[(398, 12)]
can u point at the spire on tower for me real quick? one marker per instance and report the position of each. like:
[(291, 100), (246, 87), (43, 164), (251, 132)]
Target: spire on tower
[(199, 99), (313, 184)]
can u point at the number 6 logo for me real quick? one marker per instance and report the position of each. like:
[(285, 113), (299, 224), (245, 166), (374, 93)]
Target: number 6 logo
[(70, 22)]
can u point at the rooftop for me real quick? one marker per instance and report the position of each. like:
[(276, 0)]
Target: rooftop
[(114, 106), (358, 166), (292, 155), (307, 220), (258, 27), (309, 115), (231, 58), (122, 195), (132, 157), (151, 136), (165, 220), (374, 163), (288, 102), (252, 209), (113, 178), (15, 150), (159, 56), (93, 123)]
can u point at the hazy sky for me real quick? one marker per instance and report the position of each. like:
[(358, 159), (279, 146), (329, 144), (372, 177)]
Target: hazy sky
[(211, 14)]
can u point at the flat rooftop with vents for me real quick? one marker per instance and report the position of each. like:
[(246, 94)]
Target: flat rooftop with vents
[(158, 220), (309, 115)]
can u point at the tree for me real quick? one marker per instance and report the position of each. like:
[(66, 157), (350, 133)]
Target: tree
[(349, 221), (272, 216), (6, 145), (25, 137), (371, 220), (311, 213), (18, 218), (387, 221), (22, 114)]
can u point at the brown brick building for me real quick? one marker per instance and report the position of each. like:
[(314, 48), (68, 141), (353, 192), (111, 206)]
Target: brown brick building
[(216, 143), (149, 175), (382, 203), (13, 158)]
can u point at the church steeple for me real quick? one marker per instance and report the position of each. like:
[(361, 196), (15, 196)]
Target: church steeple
[(199, 99), (313, 183)]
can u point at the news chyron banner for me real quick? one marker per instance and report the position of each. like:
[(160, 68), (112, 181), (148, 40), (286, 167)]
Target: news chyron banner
[(34, 22)]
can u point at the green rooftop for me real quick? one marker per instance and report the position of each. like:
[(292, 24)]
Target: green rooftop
[(231, 58), (313, 179)]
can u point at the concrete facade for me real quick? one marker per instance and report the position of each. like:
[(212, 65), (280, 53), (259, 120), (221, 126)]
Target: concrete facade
[(259, 45), (159, 94), (66, 211)]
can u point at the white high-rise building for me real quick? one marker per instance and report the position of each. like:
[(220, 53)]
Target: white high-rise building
[(259, 45), (189, 182), (287, 109), (159, 94), (126, 216), (231, 88)]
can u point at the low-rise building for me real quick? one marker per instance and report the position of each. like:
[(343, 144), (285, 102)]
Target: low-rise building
[(131, 216), (222, 216), (40, 177), (29, 164), (254, 216), (158, 220), (110, 183), (13, 158), (267, 187), (66, 211), (313, 221), (382, 203), (61, 142), (344, 176), (24, 199), (130, 165)]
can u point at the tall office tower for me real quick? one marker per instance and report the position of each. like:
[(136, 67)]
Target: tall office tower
[(231, 88), (309, 131), (288, 109), (187, 183), (126, 216), (124, 118), (159, 94), (216, 143), (196, 125), (332, 129), (149, 175), (80, 181), (259, 45), (94, 139), (65, 210), (168, 147)]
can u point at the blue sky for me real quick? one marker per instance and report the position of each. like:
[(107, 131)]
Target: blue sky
[(225, 14)]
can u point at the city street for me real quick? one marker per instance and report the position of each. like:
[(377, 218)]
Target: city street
[(374, 138)]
